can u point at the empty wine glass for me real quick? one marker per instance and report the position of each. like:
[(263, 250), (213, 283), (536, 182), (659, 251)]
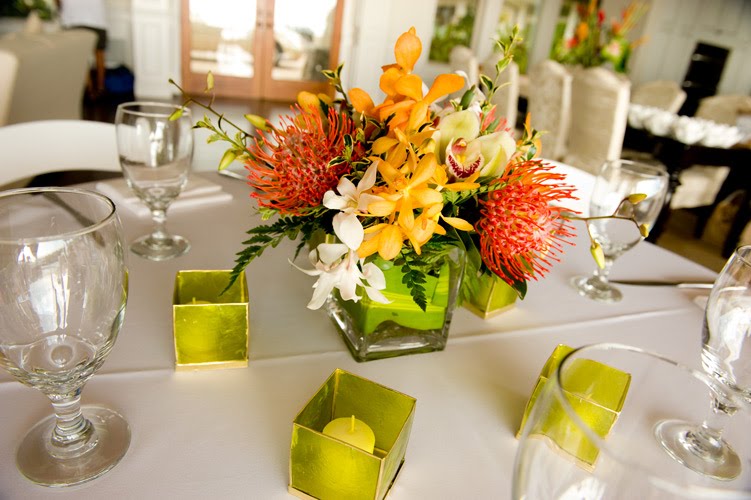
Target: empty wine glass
[(726, 356), (616, 180), (586, 439), (155, 149), (62, 302)]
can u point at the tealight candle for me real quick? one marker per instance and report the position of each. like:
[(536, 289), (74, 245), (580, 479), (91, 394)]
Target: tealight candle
[(194, 301), (351, 431)]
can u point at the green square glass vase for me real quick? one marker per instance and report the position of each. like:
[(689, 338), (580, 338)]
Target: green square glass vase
[(372, 330)]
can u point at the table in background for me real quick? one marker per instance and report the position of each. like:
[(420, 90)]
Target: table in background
[(677, 156), (226, 433)]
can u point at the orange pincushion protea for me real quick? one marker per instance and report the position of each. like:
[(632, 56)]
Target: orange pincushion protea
[(289, 165), (520, 232)]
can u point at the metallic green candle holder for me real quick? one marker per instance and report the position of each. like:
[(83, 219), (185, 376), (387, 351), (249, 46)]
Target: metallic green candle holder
[(210, 327), (484, 294), (599, 404), (324, 467)]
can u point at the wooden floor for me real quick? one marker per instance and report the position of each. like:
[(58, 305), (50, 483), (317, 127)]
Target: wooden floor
[(678, 236)]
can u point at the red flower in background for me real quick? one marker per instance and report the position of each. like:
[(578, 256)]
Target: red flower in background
[(520, 232), (289, 165)]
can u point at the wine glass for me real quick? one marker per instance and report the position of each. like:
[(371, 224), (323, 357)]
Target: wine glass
[(155, 149), (574, 446), (616, 180), (62, 302), (726, 356)]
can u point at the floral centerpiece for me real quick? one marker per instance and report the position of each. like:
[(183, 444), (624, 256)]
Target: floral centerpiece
[(595, 44), (393, 198)]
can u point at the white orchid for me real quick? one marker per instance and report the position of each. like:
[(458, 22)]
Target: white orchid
[(351, 200), (338, 266)]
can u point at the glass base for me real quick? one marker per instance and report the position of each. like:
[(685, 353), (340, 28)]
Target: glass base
[(595, 289), (713, 458), (112, 438), (388, 340), (372, 330), (151, 248)]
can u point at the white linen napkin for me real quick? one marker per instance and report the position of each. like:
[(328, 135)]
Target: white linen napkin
[(198, 192)]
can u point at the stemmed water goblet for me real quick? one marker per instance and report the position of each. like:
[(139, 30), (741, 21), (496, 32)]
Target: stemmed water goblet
[(62, 303), (155, 145), (616, 181), (587, 438), (726, 356)]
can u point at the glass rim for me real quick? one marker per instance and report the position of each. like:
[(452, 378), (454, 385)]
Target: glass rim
[(125, 107), (90, 228), (743, 253), (602, 444), (645, 169)]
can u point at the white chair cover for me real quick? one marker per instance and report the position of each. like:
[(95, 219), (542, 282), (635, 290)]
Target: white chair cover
[(599, 104), (700, 184), (51, 78), (723, 108), (463, 59), (8, 71), (33, 148), (663, 94), (506, 99), (550, 106)]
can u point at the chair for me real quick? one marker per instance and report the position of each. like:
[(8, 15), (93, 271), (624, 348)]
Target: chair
[(724, 108), (700, 185), (8, 70), (550, 106), (41, 147), (51, 77), (663, 94), (463, 59), (599, 104), (506, 99)]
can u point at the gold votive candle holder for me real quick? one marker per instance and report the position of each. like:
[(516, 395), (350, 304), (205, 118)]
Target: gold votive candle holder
[(599, 403), (210, 327), (325, 467)]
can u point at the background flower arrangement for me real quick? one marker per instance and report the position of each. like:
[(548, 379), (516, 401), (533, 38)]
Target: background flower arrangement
[(400, 183), (595, 44)]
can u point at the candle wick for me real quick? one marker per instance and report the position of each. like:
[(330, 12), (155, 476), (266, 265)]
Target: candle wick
[(352, 427)]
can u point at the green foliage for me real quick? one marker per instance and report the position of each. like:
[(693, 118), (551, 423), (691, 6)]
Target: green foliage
[(446, 36), (415, 267), (22, 8), (506, 47), (263, 237)]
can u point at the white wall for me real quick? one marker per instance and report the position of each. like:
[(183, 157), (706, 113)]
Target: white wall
[(119, 38), (156, 47), (378, 24), (371, 27), (674, 26)]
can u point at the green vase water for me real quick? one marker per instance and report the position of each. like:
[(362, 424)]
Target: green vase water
[(372, 330)]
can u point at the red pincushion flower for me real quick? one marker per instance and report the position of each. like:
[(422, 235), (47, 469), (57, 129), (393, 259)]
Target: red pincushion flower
[(289, 165), (520, 232)]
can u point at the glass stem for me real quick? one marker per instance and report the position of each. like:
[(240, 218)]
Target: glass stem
[(706, 441), (159, 216), (601, 274), (72, 431)]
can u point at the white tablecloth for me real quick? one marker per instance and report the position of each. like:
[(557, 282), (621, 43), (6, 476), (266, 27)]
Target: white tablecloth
[(226, 433)]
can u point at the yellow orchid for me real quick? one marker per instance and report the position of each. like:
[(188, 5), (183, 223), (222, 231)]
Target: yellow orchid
[(404, 101), (405, 191), (404, 144)]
